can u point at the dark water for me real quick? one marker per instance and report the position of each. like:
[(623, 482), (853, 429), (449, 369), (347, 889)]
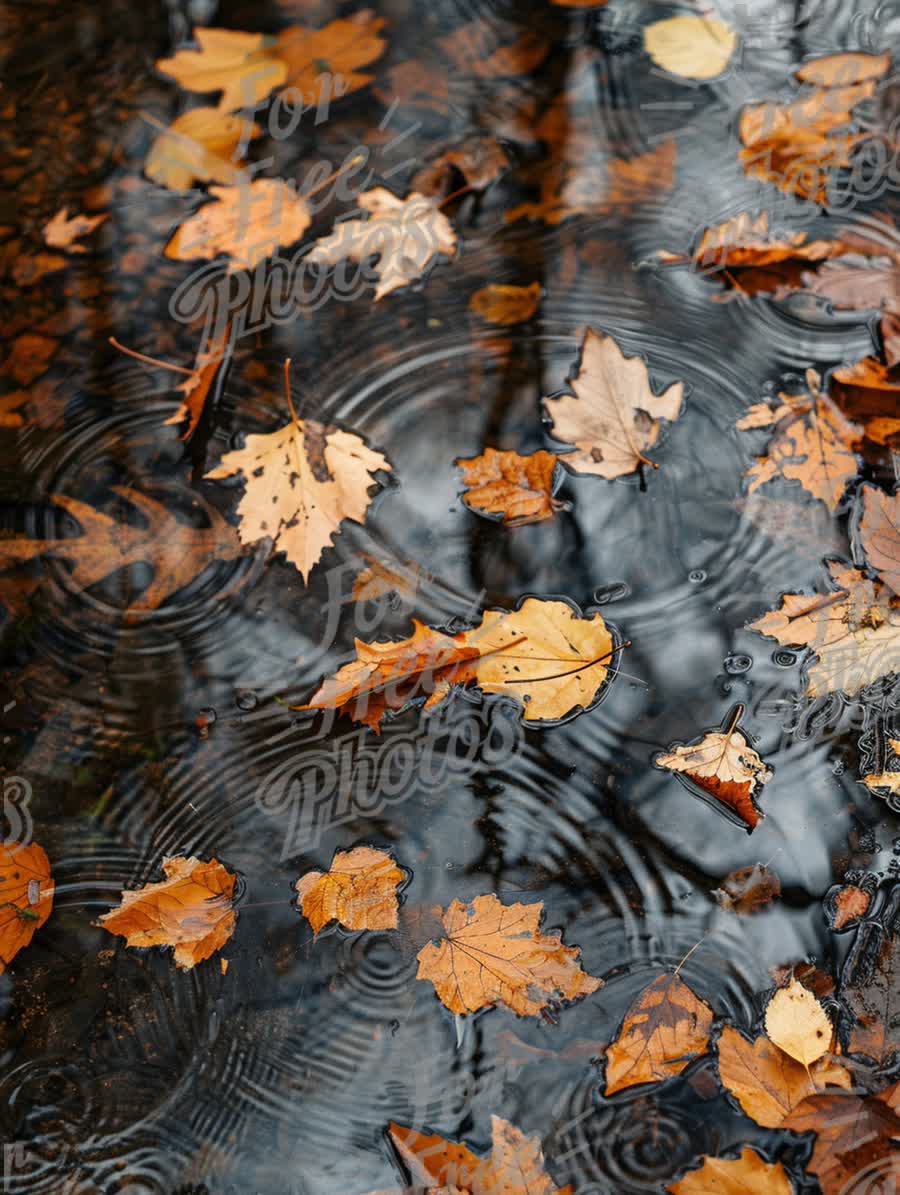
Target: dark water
[(119, 1072)]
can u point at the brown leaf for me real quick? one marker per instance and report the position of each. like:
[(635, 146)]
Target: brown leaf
[(478, 163), (798, 1024), (198, 147), (478, 48), (191, 909), (873, 1000), (495, 954), (197, 387), (26, 895), (745, 1175), (664, 1030), (30, 357), (29, 270), (744, 241), (852, 1136), (848, 903), (506, 305), (359, 891), (612, 416), (868, 387), (379, 578), (520, 488), (338, 49), (61, 232), (879, 531), (245, 67), (749, 889)]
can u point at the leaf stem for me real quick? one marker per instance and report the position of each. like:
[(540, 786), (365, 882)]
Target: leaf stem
[(287, 388), (334, 174), (151, 360)]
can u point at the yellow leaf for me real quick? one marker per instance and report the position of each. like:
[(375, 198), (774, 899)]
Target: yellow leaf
[(693, 47), (359, 891), (243, 66), (746, 1175), (198, 147), (664, 1030), (798, 1024)]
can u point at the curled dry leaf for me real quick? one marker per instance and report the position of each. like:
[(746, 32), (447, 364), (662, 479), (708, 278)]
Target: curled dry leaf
[(693, 47), (245, 67), (746, 242), (506, 305), (612, 416), (871, 391), (744, 1175), (359, 891), (191, 909), (664, 1030), (798, 1024), (26, 896), (246, 223), (879, 531), (62, 231), (518, 488), (406, 234), (749, 889), (495, 954), (854, 1137), (200, 146), (198, 385)]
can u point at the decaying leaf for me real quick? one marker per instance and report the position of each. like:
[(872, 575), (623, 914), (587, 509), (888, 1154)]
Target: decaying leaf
[(359, 891), (873, 1001), (879, 531), (766, 1082), (191, 909), (749, 889), (798, 1024), (495, 954), (853, 1136), (518, 488), (744, 1175), (337, 49), (847, 903), (477, 163), (406, 234), (245, 67), (379, 578), (26, 896), (693, 47), (664, 1030), (199, 146), (506, 305), (246, 223), (515, 1165), (612, 416), (62, 231)]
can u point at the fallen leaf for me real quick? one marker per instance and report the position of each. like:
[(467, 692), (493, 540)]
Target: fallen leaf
[(664, 1030), (578, 3), (379, 578), (873, 1001), (191, 909), (245, 67), (612, 416), (246, 223), (200, 146), (417, 85), (26, 890), (61, 232), (27, 271), (196, 388), (477, 163), (489, 48), (693, 47), (745, 1175), (406, 234), (852, 1135), (868, 387), (30, 357), (359, 891), (515, 1165), (848, 903), (336, 49), (506, 305), (495, 954), (749, 889), (879, 532), (798, 1024), (519, 488), (842, 70), (744, 241), (766, 1082)]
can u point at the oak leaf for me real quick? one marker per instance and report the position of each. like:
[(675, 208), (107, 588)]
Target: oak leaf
[(766, 1082), (337, 49), (517, 488), (199, 146), (62, 231), (690, 46), (506, 305), (191, 910), (879, 532), (406, 234), (853, 1134), (612, 416), (359, 891), (798, 1024), (749, 889), (495, 954), (744, 1175), (245, 67), (664, 1030), (246, 223), (26, 896)]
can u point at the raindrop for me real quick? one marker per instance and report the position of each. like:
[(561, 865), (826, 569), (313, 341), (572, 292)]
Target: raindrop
[(208, 715), (736, 664), (837, 767), (697, 576), (245, 700), (615, 591), (394, 1027), (784, 658)]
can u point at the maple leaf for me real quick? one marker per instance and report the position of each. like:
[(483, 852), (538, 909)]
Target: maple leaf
[(62, 231), (873, 1001), (199, 146), (690, 46), (246, 223), (515, 1165), (664, 1030), (178, 553), (852, 1135), (612, 416), (245, 67), (26, 896), (747, 1174), (406, 234), (359, 891), (506, 305), (766, 1082), (338, 49), (723, 766), (798, 1024), (749, 889), (191, 909), (495, 954), (879, 531), (518, 488)]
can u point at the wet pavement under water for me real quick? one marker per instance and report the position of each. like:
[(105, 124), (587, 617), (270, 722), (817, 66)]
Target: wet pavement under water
[(147, 733)]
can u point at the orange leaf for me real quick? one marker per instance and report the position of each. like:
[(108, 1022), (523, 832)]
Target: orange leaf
[(339, 48), (495, 954), (191, 909), (26, 895), (198, 147), (848, 903), (243, 66), (506, 305), (359, 891), (745, 1175), (749, 889), (477, 162), (841, 70), (198, 385), (61, 232), (520, 488)]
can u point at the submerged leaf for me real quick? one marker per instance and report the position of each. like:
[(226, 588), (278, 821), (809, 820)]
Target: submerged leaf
[(62, 231), (506, 305), (664, 1030)]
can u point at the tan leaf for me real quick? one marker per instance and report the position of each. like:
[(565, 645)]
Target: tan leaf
[(613, 416), (407, 234), (842, 70), (664, 1030), (879, 531), (798, 1024), (198, 147), (693, 47), (749, 889), (495, 954), (767, 1083), (745, 241), (191, 909), (520, 488), (888, 780), (379, 578), (246, 223), (853, 1136), (745, 1175), (337, 49), (506, 305), (245, 67), (26, 895), (62, 231), (359, 891)]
